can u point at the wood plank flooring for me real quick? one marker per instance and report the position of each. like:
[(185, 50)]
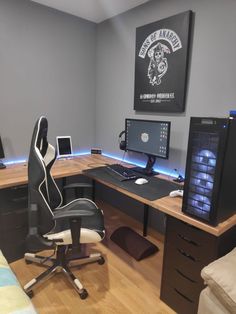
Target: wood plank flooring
[(121, 285)]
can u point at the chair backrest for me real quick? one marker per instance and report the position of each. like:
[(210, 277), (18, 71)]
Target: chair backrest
[(43, 190)]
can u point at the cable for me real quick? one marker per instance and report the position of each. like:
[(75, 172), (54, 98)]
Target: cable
[(122, 160)]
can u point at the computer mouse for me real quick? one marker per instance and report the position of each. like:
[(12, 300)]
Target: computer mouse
[(141, 181)]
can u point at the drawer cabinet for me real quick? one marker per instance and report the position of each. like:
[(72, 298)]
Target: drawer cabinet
[(13, 198), (187, 250), (13, 221)]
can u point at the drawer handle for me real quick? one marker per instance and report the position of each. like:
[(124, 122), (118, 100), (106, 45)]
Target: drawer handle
[(19, 199), (191, 226), (187, 255), (186, 277), (19, 187), (15, 213), (182, 237), (183, 296)]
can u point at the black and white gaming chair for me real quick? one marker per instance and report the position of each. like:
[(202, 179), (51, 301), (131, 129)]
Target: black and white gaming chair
[(53, 226)]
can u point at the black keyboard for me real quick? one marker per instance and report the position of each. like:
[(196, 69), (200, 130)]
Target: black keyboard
[(122, 173)]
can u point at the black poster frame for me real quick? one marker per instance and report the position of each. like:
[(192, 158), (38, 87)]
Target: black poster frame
[(161, 64)]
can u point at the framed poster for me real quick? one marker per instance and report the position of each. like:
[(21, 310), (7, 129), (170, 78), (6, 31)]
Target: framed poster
[(161, 61)]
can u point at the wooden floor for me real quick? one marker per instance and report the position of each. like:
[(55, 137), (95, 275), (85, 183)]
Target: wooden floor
[(121, 285)]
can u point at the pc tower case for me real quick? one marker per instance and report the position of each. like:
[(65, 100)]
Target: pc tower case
[(209, 190)]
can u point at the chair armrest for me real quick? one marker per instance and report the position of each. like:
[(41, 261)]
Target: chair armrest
[(74, 214)]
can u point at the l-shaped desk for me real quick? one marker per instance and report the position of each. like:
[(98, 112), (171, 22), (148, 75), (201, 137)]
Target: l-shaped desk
[(189, 243), (16, 175)]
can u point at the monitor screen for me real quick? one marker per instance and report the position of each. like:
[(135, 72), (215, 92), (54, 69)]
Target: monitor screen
[(64, 146), (2, 155), (148, 136)]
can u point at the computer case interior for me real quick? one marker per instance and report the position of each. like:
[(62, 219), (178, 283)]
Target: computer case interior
[(210, 177)]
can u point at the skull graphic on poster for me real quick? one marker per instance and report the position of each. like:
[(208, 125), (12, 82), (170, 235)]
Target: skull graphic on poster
[(158, 64)]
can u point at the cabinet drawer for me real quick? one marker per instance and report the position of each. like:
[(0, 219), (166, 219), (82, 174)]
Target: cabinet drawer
[(15, 235), (14, 219), (12, 243), (187, 264), (179, 280), (176, 299), (13, 252), (200, 252), (189, 233), (12, 198)]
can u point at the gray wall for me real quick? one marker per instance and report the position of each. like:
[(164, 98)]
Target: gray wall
[(47, 64), (212, 75), (81, 76)]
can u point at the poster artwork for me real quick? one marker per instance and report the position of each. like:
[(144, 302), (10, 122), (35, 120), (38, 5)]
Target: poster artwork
[(161, 64)]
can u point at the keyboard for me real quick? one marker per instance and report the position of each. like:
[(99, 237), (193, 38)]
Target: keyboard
[(122, 173)]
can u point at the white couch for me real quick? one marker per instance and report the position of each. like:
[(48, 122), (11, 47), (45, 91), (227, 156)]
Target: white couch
[(219, 297)]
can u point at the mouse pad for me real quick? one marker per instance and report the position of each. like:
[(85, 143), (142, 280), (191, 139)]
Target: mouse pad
[(154, 189)]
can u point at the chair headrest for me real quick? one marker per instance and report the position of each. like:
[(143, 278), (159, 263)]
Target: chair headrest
[(39, 138)]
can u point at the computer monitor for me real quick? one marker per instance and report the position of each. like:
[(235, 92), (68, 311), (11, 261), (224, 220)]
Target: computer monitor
[(64, 146), (148, 137)]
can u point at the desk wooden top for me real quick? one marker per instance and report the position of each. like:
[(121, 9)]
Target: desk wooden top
[(16, 174)]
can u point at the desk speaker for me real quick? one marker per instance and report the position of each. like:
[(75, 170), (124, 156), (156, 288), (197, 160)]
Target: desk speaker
[(209, 192)]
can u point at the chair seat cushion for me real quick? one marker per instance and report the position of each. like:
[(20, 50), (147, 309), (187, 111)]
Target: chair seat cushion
[(220, 276)]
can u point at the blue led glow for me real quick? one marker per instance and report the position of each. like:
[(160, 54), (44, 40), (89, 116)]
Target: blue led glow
[(130, 160), (201, 202), (204, 180), (140, 164), (81, 153), (19, 161), (200, 198), (207, 157), (16, 161)]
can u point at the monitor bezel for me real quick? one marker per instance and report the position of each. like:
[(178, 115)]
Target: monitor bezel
[(152, 121), (58, 151)]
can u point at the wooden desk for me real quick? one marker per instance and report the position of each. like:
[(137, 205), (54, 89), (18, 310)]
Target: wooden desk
[(15, 175), (189, 243)]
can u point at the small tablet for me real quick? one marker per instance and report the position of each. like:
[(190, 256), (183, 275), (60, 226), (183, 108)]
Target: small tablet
[(64, 146)]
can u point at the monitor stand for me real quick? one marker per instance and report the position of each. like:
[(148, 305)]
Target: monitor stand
[(148, 170), (2, 166)]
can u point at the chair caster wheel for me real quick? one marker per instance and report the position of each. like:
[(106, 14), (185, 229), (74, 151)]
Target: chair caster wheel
[(30, 294), (83, 295), (101, 261)]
